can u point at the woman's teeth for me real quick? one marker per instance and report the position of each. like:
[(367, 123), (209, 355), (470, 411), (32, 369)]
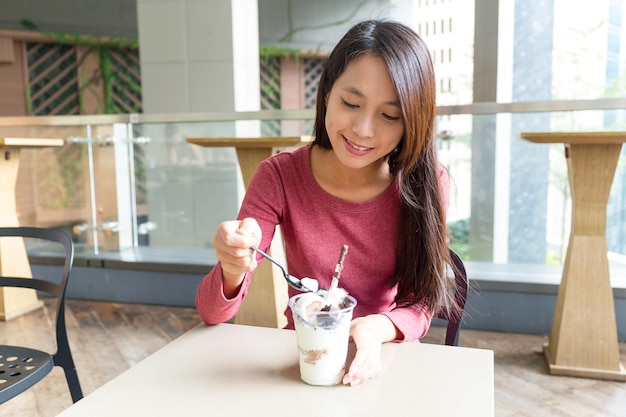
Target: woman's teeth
[(358, 148)]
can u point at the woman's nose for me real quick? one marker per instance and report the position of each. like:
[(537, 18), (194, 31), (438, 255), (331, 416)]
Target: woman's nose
[(364, 125)]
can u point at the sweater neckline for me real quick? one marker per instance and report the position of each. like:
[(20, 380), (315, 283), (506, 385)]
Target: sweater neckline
[(312, 185)]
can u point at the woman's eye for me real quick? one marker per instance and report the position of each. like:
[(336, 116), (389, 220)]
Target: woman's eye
[(349, 105), (391, 118)]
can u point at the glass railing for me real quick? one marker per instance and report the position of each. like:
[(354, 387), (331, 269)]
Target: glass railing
[(130, 187), (511, 204)]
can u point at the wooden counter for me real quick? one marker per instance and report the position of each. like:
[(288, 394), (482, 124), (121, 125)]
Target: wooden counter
[(583, 339)]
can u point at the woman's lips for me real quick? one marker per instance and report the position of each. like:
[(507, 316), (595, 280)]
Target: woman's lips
[(354, 148)]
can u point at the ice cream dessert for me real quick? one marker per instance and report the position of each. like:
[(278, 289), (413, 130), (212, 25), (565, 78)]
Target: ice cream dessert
[(310, 306), (310, 283), (322, 331), (322, 320)]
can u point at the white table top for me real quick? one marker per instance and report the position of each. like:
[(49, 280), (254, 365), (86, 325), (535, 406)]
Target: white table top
[(236, 370)]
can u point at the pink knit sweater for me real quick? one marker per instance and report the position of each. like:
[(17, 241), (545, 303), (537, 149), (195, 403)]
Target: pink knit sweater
[(315, 225)]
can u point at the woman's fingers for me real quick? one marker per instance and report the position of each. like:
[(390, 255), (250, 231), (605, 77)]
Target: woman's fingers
[(363, 368), (368, 335), (232, 243)]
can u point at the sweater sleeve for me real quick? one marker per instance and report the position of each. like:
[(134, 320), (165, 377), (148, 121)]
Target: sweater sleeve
[(212, 304), (412, 322), (263, 202)]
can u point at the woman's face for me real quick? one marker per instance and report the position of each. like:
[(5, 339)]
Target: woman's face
[(363, 116)]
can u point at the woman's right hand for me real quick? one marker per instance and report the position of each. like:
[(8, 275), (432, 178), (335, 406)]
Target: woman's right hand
[(232, 247)]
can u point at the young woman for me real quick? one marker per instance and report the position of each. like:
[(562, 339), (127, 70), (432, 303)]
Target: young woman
[(371, 180)]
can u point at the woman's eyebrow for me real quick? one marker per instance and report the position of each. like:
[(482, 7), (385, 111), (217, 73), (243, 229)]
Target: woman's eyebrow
[(354, 91), (357, 92)]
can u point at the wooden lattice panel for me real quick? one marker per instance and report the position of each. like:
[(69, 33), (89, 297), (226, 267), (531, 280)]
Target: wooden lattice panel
[(270, 93), (312, 70), (270, 83), (141, 181), (52, 79), (126, 80)]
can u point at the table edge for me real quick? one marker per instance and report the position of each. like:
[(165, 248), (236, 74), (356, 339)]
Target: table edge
[(576, 138)]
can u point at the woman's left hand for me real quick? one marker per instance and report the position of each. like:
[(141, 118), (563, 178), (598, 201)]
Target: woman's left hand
[(368, 333)]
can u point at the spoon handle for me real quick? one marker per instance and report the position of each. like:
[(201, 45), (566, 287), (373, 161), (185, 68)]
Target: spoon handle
[(269, 258)]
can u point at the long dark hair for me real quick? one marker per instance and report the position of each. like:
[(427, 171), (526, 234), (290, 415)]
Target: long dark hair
[(423, 251)]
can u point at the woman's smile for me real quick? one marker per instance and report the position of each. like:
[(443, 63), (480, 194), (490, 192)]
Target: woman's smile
[(356, 149)]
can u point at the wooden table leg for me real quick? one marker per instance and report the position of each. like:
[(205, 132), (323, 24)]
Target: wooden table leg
[(266, 299), (583, 339), (13, 257)]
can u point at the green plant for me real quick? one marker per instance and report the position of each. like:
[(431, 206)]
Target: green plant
[(101, 46), (459, 237)]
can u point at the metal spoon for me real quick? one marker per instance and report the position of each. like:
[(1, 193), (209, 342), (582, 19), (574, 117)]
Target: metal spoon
[(291, 280)]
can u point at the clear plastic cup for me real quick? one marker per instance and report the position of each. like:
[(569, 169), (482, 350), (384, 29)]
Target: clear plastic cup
[(322, 342)]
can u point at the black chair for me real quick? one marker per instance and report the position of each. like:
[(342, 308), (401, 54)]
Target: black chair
[(462, 287), (22, 367)]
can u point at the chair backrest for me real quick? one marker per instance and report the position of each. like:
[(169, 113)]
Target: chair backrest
[(457, 268), (55, 285), (49, 285)]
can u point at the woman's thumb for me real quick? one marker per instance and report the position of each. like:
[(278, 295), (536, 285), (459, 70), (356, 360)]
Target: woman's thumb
[(250, 227)]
